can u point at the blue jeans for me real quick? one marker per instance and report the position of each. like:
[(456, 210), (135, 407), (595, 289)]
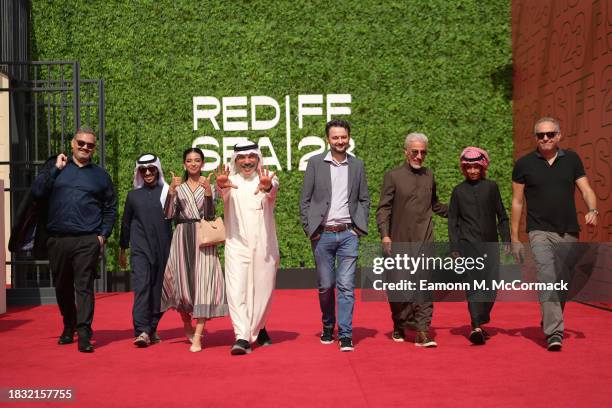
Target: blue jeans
[(341, 246)]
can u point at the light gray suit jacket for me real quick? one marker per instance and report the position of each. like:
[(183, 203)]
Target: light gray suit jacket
[(316, 194)]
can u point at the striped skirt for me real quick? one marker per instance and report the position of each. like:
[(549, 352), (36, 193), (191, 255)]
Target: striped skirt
[(193, 279)]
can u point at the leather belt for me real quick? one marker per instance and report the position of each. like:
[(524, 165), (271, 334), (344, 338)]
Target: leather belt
[(187, 221), (337, 228)]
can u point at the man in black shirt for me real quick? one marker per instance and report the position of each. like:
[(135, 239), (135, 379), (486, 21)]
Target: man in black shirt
[(546, 179), (144, 227), (81, 213)]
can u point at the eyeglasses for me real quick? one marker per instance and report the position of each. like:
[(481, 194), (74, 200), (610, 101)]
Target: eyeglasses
[(82, 143), (415, 152), (550, 135), (144, 170)]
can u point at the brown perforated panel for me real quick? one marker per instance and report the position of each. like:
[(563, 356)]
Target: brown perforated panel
[(563, 68)]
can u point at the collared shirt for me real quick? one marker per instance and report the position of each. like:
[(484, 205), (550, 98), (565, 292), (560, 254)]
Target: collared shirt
[(549, 190), (338, 208), (81, 199)]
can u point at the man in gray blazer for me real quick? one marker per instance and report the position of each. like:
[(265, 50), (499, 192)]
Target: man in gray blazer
[(334, 210)]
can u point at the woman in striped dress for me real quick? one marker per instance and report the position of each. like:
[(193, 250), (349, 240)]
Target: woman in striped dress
[(193, 279)]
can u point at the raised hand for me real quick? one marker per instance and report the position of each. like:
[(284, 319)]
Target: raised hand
[(176, 181), (222, 177), (61, 161), (205, 182), (265, 180)]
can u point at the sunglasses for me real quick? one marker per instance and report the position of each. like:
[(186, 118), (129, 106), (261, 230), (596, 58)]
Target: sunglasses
[(415, 152), (144, 170), (82, 143), (550, 135)]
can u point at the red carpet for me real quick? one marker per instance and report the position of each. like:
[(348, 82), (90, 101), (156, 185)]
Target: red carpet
[(513, 369)]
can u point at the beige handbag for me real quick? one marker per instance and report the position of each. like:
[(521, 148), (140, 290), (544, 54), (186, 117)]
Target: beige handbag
[(211, 232)]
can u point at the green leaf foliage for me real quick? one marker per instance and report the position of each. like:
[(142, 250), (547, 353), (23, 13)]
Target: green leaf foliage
[(440, 67)]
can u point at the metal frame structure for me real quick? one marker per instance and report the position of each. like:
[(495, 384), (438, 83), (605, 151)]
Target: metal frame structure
[(47, 105)]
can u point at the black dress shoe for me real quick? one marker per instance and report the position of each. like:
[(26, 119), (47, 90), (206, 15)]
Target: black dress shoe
[(85, 346), (477, 336), (67, 337), (241, 347), (263, 339), (486, 335)]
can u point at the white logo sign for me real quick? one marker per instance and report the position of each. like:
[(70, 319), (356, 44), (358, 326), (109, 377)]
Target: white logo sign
[(231, 113)]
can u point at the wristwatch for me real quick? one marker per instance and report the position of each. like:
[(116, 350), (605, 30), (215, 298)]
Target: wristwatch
[(594, 211)]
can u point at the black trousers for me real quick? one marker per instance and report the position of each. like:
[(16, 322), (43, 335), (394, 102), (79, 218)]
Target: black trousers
[(73, 261), (148, 281), (481, 301)]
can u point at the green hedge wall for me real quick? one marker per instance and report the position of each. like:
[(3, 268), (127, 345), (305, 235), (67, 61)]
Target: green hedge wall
[(440, 67)]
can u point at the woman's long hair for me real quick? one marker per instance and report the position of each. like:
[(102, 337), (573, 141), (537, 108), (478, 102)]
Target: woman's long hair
[(185, 153)]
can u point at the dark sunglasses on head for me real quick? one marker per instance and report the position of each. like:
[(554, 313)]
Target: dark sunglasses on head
[(82, 143), (415, 152), (550, 135), (143, 170)]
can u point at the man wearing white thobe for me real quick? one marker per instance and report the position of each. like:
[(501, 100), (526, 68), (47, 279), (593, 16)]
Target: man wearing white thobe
[(251, 247)]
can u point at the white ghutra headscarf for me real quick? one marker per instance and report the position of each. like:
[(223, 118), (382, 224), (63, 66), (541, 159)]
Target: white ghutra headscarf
[(147, 160), (244, 148)]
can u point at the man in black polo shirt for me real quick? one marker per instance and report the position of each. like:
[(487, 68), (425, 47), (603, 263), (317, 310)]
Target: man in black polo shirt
[(81, 213), (547, 179)]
